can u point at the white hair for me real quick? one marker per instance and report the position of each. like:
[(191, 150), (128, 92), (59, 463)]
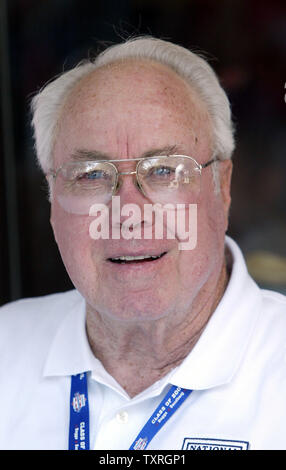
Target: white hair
[(46, 105)]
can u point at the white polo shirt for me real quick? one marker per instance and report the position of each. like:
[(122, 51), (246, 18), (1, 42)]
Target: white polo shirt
[(237, 372)]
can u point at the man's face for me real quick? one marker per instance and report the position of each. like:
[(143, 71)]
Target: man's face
[(124, 111)]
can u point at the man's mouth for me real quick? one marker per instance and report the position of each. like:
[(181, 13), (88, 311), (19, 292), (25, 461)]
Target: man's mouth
[(136, 259)]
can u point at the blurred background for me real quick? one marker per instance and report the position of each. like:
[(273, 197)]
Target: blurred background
[(245, 41)]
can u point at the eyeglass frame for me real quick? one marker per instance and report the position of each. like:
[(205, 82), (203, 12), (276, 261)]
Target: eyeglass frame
[(116, 187)]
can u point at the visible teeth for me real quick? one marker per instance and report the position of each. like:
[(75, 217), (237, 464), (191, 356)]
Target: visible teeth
[(134, 258)]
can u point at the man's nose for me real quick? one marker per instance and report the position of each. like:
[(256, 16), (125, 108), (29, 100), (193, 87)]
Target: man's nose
[(131, 203), (129, 190)]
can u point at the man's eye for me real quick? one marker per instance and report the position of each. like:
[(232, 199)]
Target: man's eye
[(91, 175), (161, 171)]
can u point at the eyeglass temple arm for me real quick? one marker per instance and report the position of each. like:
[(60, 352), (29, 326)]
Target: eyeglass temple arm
[(210, 162)]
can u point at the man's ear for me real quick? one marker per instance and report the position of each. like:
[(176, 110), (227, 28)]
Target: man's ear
[(225, 169)]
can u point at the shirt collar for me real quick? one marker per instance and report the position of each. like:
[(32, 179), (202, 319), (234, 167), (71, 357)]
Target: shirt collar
[(218, 354), (212, 362)]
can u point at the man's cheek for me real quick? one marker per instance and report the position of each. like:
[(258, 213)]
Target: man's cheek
[(71, 235), (187, 227)]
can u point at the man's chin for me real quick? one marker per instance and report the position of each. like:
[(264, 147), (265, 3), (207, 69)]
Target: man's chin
[(135, 309)]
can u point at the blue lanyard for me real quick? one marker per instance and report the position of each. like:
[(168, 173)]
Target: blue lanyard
[(170, 403), (79, 415)]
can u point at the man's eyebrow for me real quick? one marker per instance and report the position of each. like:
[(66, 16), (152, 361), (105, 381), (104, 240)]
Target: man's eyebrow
[(90, 155), (81, 155), (168, 150)]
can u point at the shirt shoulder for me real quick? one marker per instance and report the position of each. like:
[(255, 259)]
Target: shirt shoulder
[(270, 334), (274, 308), (274, 298), (23, 311), (28, 326)]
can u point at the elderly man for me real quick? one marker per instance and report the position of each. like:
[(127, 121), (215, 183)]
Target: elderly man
[(166, 342)]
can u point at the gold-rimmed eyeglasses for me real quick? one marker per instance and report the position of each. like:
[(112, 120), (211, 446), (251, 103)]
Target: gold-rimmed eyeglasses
[(161, 179)]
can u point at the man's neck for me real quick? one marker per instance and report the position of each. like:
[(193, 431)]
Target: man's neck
[(139, 354)]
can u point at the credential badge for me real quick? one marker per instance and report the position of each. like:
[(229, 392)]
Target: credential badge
[(201, 443)]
